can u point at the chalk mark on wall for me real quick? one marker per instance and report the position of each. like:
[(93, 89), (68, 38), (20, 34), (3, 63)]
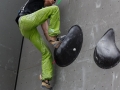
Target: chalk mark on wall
[(5, 46), (98, 4)]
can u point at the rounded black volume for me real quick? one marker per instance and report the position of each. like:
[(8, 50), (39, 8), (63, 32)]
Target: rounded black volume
[(106, 53)]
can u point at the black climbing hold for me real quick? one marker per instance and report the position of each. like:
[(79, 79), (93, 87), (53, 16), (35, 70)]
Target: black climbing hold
[(70, 47), (106, 53)]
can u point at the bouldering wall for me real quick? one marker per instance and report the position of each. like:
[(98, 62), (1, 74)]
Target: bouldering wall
[(95, 17)]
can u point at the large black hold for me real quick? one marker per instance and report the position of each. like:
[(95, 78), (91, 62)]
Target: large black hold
[(70, 47), (106, 53)]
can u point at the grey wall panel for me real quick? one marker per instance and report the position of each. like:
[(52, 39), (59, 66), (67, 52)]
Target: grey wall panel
[(10, 38), (10, 43), (95, 17), (7, 79), (29, 79), (30, 56)]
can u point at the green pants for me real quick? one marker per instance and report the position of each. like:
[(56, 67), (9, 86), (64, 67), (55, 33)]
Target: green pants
[(28, 27)]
